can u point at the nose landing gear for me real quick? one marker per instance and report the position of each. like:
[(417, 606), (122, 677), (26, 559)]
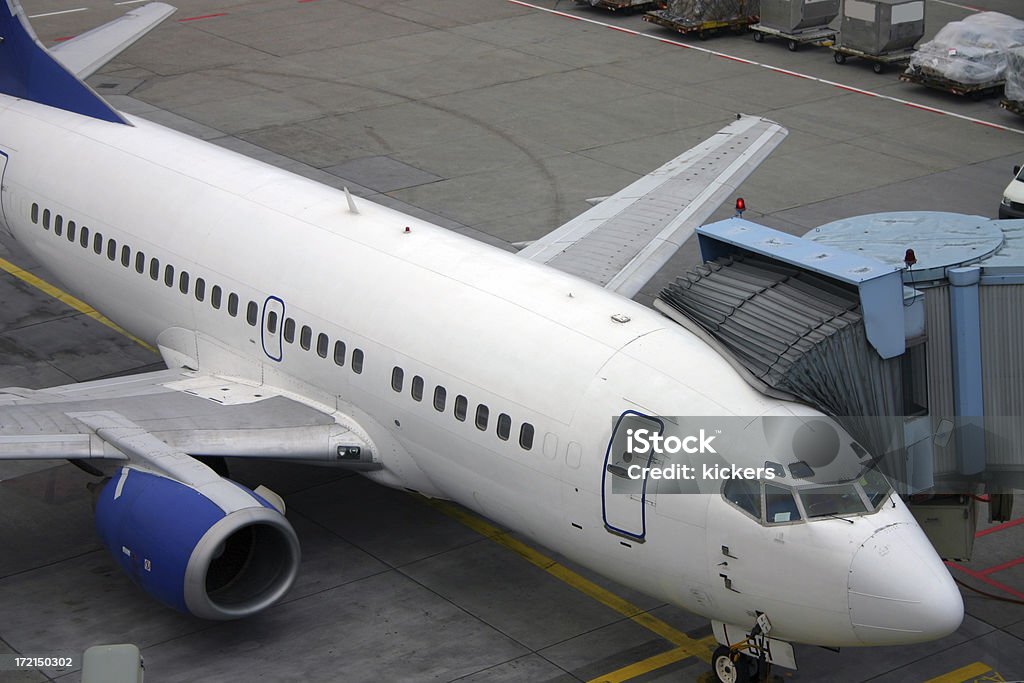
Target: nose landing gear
[(747, 660)]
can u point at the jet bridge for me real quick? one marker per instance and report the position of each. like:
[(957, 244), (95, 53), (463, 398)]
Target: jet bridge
[(902, 326)]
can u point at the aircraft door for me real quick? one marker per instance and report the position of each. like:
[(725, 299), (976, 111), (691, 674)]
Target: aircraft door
[(270, 327), (624, 499), (4, 195)]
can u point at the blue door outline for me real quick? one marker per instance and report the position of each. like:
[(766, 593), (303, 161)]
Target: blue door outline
[(615, 525), (271, 339), (3, 173)]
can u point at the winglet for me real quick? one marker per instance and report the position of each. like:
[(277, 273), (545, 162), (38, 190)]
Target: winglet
[(28, 71)]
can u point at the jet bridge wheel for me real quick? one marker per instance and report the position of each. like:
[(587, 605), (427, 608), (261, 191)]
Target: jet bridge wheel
[(727, 669)]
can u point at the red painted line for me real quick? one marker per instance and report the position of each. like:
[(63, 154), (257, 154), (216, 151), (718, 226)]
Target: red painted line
[(1001, 567), (984, 579), (204, 16), (62, 39), (1004, 525), (302, 1), (620, 30)]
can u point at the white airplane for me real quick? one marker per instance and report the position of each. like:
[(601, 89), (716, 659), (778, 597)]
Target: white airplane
[(299, 323)]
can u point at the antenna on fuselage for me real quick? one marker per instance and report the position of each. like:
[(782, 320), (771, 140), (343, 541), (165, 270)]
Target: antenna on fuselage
[(351, 202)]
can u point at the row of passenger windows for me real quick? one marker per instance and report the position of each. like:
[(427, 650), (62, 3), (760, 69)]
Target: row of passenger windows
[(460, 408), (183, 282)]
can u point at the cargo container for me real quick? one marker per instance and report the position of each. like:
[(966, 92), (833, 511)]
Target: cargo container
[(795, 16), (879, 27)]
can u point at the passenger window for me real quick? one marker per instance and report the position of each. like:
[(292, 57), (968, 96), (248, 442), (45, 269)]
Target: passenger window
[(397, 378), (35, 213), (169, 275), (272, 322), (526, 436), (140, 261), (112, 250), (252, 313), (322, 345), (339, 353), (215, 294), (461, 408), (46, 218), (504, 426), (744, 494), (58, 225), (289, 330), (357, 361), (84, 237), (154, 268), (183, 282), (200, 289), (232, 304), (97, 242), (780, 504), (71, 231), (306, 337), (482, 413), (440, 396), (126, 255), (417, 388)]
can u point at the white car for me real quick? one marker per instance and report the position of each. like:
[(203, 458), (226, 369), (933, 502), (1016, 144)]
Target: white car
[(1012, 204)]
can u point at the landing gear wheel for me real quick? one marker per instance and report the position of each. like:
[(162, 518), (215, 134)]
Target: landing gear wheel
[(878, 67), (726, 670), (839, 57), (793, 46), (758, 37)]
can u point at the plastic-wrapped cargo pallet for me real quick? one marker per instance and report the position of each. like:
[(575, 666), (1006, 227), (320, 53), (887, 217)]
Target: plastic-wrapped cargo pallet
[(878, 27), (972, 51), (714, 10), (790, 16), (1015, 74)]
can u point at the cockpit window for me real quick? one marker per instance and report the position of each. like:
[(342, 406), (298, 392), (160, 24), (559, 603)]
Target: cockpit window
[(801, 470), (780, 506), (876, 486), (832, 500), (744, 494), (774, 467)]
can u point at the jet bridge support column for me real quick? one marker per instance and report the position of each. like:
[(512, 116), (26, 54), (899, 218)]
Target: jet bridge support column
[(965, 338)]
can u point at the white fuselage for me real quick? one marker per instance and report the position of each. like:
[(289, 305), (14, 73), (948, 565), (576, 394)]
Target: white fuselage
[(520, 338)]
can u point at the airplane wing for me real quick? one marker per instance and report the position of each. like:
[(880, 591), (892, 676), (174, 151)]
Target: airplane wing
[(83, 55), (622, 242), (148, 417)]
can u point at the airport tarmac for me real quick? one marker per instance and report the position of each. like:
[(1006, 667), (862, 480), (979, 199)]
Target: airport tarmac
[(496, 119)]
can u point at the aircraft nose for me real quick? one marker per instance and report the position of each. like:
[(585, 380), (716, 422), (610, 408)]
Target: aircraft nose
[(899, 590)]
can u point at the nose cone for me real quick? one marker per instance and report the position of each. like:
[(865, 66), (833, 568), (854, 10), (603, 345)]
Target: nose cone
[(900, 592)]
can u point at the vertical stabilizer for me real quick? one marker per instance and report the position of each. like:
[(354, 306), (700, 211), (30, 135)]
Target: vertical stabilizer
[(28, 70)]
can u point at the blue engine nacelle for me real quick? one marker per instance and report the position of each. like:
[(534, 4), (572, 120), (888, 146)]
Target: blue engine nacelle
[(223, 553)]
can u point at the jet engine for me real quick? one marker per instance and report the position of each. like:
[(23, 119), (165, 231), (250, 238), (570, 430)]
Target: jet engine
[(216, 551)]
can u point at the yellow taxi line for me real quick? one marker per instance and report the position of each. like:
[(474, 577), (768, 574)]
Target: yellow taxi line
[(685, 645), (645, 666), (65, 298), (967, 674)]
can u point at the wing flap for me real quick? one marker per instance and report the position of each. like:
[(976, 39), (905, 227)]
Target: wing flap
[(189, 412), (622, 242)]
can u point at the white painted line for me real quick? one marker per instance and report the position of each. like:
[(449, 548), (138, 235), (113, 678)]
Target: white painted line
[(53, 14), (130, 2), (953, 4), (776, 69)]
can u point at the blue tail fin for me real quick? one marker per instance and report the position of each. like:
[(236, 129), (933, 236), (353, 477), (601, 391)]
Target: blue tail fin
[(28, 71)]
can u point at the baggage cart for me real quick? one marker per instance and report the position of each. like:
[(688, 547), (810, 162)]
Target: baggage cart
[(879, 63), (822, 36)]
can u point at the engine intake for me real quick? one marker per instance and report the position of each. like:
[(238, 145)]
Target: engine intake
[(220, 553)]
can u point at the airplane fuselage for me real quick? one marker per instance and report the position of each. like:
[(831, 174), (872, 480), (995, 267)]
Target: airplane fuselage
[(481, 377)]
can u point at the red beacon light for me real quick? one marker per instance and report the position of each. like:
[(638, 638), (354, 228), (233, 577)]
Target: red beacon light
[(909, 258), (741, 206)]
